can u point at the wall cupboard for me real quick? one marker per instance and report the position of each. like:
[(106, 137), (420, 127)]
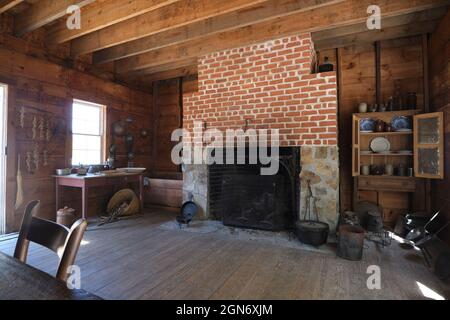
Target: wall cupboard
[(382, 172)]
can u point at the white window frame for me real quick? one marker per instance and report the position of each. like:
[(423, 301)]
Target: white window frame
[(3, 144), (102, 131)]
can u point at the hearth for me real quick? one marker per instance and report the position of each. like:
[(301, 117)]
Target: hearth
[(240, 196)]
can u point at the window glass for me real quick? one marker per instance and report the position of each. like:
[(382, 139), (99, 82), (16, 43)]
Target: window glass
[(87, 133)]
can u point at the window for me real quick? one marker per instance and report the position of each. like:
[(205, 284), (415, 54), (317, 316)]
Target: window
[(87, 133)]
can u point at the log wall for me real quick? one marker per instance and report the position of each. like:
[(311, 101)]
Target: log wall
[(402, 63), (42, 86), (439, 55)]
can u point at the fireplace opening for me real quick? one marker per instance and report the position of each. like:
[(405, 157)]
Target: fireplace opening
[(241, 197)]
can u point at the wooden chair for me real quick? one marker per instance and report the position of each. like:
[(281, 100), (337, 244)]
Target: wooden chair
[(58, 238)]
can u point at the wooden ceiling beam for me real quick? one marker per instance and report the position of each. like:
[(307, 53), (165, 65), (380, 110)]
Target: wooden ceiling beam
[(164, 75), (413, 29), (166, 18), (5, 5), (102, 15), (341, 14), (166, 67), (261, 12), (429, 15), (42, 13)]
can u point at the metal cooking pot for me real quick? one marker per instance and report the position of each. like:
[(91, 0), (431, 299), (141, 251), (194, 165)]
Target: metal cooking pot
[(310, 232), (188, 210)]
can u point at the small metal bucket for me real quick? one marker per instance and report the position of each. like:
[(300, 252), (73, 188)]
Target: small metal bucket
[(350, 242)]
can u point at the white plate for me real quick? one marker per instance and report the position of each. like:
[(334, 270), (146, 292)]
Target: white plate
[(366, 131), (403, 130), (380, 144)]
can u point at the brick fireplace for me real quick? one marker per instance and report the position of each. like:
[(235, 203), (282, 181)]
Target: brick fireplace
[(270, 85)]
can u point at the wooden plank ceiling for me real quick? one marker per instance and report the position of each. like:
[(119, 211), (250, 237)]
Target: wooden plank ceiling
[(149, 40)]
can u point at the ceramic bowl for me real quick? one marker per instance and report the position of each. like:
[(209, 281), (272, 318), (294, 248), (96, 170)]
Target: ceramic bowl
[(401, 123), (367, 125)]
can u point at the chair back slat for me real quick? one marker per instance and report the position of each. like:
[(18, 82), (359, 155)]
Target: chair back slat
[(65, 242), (48, 234)]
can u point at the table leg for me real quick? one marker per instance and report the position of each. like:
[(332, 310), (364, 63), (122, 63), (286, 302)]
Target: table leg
[(57, 195), (84, 197), (141, 191)]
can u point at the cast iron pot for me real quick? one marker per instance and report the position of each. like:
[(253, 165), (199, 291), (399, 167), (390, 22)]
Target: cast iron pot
[(188, 211), (314, 233)]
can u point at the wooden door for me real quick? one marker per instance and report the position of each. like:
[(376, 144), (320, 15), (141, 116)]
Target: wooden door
[(429, 145)]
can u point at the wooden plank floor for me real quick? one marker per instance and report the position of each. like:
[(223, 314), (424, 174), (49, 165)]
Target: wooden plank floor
[(134, 259)]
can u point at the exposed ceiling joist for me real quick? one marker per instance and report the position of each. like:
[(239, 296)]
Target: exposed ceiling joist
[(175, 73), (415, 17), (104, 14), (5, 5), (261, 12), (42, 13), (168, 74), (341, 14), (408, 30), (163, 19), (166, 67)]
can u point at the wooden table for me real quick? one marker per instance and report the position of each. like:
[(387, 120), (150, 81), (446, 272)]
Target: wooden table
[(94, 181), (19, 281)]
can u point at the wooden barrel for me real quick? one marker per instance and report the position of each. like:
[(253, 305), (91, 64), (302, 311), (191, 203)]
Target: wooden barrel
[(350, 242)]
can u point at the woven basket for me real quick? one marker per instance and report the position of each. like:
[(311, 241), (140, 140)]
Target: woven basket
[(128, 196)]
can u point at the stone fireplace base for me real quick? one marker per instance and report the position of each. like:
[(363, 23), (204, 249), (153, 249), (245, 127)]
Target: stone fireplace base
[(319, 165), (195, 183)]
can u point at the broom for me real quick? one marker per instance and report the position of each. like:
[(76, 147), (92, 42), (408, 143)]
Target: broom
[(19, 194)]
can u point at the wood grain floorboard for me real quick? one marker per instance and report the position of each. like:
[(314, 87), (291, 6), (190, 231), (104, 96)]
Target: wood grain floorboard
[(162, 287), (136, 259)]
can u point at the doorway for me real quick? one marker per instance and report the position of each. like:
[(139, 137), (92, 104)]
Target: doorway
[(3, 115)]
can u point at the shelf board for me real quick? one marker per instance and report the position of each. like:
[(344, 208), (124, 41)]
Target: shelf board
[(395, 133), (387, 155), (388, 113), (386, 177)]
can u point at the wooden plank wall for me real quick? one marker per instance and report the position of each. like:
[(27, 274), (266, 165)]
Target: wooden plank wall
[(401, 61), (45, 90), (166, 178), (356, 84), (439, 56), (164, 193), (167, 106)]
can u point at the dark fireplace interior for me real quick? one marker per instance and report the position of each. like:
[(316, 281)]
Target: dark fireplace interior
[(241, 197)]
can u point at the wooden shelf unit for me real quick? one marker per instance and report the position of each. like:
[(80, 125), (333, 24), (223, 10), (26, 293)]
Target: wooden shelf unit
[(398, 140), (394, 193)]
